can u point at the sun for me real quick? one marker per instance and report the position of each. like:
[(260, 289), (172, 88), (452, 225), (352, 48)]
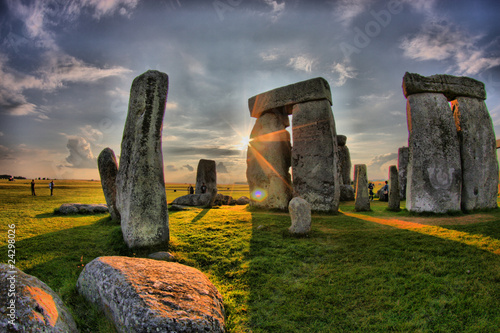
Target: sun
[(244, 142)]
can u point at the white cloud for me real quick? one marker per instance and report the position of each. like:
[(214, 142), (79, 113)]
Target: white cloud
[(110, 7), (347, 10), (277, 9), (343, 72), (80, 153), (444, 41), (381, 162), (302, 63)]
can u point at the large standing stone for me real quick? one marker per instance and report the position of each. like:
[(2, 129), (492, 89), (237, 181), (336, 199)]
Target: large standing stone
[(434, 169), (300, 214), (448, 85), (37, 308), (478, 153), (346, 190), (268, 162), (287, 96), (403, 158), (394, 191), (140, 183), (146, 295), (362, 202), (207, 173), (108, 169), (314, 155)]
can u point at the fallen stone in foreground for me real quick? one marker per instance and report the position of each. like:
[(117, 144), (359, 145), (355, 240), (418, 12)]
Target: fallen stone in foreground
[(78, 208), (196, 200), (37, 307), (145, 295)]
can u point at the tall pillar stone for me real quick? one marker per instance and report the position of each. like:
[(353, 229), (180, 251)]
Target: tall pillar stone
[(206, 174), (478, 153), (394, 190), (108, 169), (344, 164), (362, 201), (314, 155), (268, 162), (403, 157), (434, 169), (140, 184)]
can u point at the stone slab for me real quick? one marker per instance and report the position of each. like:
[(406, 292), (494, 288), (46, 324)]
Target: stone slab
[(394, 190), (108, 169), (362, 200)]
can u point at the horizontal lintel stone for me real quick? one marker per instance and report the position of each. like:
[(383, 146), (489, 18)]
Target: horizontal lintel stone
[(448, 85), (287, 96)]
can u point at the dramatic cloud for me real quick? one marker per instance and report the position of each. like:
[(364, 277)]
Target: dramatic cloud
[(380, 161), (347, 10), (343, 72), (80, 153), (302, 63), (221, 168)]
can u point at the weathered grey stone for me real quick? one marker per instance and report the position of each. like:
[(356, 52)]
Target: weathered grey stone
[(141, 197), (478, 153), (362, 201), (108, 169), (344, 165), (243, 201), (403, 157), (37, 308), (383, 195), (393, 195), (346, 192), (268, 162), (162, 255), (300, 214), (448, 85), (145, 295), (197, 200), (285, 97), (314, 155), (434, 169), (221, 199), (78, 208), (341, 140), (207, 174)]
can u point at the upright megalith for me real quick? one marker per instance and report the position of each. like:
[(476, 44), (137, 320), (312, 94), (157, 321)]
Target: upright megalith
[(108, 169), (206, 181), (434, 169), (140, 184), (300, 214), (362, 202), (478, 153), (403, 157), (268, 162), (314, 155), (394, 191), (344, 164)]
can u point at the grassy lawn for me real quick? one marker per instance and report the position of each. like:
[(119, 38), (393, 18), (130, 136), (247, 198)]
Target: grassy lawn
[(378, 271)]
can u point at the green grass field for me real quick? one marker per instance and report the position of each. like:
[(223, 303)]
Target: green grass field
[(378, 271)]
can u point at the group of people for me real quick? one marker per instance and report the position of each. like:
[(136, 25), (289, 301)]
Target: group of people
[(203, 189), (51, 187)]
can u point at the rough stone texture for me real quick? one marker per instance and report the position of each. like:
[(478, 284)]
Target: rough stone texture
[(141, 197), (341, 140), (344, 165), (382, 196), (221, 199), (346, 193), (300, 214), (394, 190), (403, 157), (37, 307), (362, 202), (448, 85), (434, 169), (78, 208), (478, 153), (108, 169), (145, 295), (287, 96), (268, 162), (198, 200), (206, 173), (243, 201), (162, 255), (314, 155)]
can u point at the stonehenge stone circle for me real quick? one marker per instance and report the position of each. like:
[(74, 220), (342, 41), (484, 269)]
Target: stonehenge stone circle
[(346, 190), (478, 153), (207, 173), (362, 202), (269, 160), (300, 214), (140, 184), (403, 157), (108, 169), (314, 155), (147, 295), (394, 190)]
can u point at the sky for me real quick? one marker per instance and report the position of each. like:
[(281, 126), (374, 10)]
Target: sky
[(66, 68)]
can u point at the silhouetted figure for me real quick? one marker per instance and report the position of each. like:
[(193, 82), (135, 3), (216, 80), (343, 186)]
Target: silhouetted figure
[(370, 188), (203, 188), (191, 189), (33, 187), (51, 186)]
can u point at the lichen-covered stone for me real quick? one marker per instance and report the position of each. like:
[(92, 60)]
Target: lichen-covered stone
[(78, 208), (362, 201), (300, 214), (403, 157), (146, 295), (394, 191), (206, 173), (108, 169), (140, 183)]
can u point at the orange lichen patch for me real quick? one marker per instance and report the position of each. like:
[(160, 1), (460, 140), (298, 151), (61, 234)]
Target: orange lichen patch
[(482, 242), (46, 303)]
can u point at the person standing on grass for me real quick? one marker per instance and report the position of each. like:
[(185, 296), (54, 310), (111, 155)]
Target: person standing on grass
[(191, 189), (203, 188), (51, 186), (33, 187), (371, 194)]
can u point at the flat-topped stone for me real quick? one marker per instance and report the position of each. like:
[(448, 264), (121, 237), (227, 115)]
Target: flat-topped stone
[(448, 85), (287, 96)]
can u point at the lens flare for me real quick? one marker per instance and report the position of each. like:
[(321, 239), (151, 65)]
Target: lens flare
[(259, 195)]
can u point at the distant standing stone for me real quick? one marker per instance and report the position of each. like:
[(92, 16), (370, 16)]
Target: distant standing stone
[(141, 197), (393, 195), (108, 169), (362, 201), (403, 158), (207, 174), (300, 214)]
